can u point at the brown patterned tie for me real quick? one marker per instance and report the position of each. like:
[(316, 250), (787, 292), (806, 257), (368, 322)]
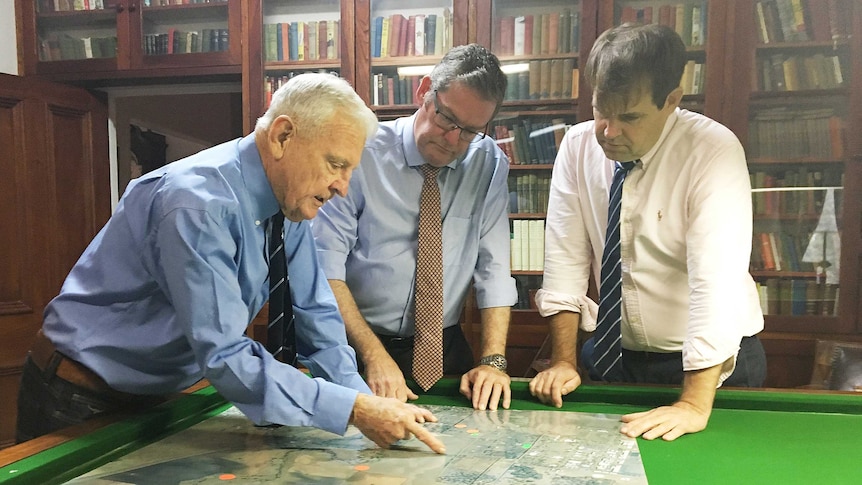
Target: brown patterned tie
[(428, 342)]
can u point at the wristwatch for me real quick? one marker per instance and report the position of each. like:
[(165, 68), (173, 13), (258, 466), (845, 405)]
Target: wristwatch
[(497, 361)]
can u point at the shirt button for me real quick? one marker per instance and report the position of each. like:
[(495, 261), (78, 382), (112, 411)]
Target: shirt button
[(256, 223)]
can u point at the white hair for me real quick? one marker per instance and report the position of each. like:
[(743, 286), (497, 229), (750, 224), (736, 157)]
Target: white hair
[(314, 99)]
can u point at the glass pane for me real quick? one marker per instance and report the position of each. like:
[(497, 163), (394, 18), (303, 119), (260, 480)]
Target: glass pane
[(170, 29), (67, 30), (796, 149)]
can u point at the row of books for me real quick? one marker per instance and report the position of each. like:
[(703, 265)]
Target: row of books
[(545, 79), (162, 3), (44, 6), (301, 41), (417, 35), (797, 297), (528, 193), (64, 47), (272, 83), (693, 77), (800, 20), (793, 203), (533, 35), (528, 244), (389, 90), (787, 132), (527, 141), (178, 42), (781, 72), (780, 251), (687, 19)]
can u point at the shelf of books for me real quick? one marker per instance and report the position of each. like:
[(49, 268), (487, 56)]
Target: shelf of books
[(300, 36), (189, 27), (796, 148), (75, 30), (406, 41)]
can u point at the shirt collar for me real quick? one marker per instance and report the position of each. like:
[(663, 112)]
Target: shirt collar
[(264, 203), (668, 125)]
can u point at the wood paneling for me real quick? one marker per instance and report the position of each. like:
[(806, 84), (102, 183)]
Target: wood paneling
[(55, 197)]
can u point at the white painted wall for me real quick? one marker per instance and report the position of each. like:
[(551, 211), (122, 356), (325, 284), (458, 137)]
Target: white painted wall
[(8, 40)]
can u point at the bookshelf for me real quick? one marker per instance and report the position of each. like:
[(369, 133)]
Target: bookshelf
[(72, 40), (389, 66), (740, 50), (794, 117)]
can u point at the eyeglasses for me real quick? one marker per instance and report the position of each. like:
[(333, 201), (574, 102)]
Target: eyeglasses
[(444, 122)]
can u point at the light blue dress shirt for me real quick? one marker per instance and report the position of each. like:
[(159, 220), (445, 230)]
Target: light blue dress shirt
[(368, 239), (163, 295)]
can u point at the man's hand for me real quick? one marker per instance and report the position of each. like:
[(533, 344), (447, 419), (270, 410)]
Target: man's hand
[(669, 422), (550, 385), (386, 420), (688, 415), (484, 385), (386, 380)]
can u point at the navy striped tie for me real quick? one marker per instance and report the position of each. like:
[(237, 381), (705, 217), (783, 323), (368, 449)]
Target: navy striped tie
[(280, 333), (607, 356)]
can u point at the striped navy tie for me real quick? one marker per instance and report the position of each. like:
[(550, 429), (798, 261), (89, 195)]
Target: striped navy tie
[(280, 333), (607, 356)]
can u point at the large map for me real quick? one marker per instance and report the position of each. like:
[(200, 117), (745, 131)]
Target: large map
[(482, 447)]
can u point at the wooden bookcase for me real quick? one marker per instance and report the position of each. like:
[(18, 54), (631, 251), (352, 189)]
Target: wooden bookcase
[(729, 88), (129, 39)]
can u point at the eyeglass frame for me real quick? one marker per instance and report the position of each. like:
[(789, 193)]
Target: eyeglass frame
[(474, 135)]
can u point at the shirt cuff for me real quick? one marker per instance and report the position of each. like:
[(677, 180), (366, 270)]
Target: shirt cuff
[(550, 303), (338, 401)]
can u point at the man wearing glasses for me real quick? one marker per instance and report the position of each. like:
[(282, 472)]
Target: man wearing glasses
[(367, 241)]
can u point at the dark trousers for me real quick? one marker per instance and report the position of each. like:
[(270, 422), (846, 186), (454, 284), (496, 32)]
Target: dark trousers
[(47, 402), (457, 355), (666, 368)]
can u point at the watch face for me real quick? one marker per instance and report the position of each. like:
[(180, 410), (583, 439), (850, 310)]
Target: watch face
[(497, 361)]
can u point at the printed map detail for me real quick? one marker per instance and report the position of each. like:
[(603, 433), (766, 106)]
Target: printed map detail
[(483, 447)]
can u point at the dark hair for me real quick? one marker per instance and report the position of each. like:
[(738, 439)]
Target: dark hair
[(474, 67), (629, 58)]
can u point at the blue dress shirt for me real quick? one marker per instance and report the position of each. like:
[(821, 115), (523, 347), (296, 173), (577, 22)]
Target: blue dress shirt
[(368, 239), (163, 294)]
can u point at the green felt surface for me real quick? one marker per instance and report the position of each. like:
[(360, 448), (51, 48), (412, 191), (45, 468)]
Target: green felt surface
[(753, 437)]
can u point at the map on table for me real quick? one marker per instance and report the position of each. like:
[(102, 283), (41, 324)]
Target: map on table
[(482, 447)]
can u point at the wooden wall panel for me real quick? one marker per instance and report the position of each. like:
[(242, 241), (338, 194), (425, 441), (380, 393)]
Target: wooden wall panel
[(55, 197)]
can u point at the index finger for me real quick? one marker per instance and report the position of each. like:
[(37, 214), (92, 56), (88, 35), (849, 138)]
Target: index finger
[(426, 437)]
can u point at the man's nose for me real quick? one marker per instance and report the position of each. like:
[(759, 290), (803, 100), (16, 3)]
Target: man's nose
[(611, 129), (340, 185)]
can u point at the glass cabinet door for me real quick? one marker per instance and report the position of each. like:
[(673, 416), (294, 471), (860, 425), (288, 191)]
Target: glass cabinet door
[(69, 30), (797, 116), (187, 33)]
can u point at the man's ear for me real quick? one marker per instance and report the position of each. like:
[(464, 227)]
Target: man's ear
[(674, 98), (424, 87), (280, 132)]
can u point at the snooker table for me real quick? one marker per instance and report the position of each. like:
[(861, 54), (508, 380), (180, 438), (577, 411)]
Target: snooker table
[(753, 436)]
